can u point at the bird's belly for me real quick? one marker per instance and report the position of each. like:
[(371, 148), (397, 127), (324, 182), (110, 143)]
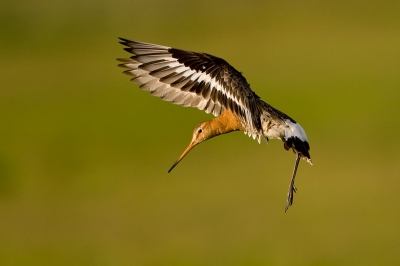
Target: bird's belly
[(273, 130)]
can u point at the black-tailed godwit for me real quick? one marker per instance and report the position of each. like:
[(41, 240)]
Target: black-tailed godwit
[(211, 84)]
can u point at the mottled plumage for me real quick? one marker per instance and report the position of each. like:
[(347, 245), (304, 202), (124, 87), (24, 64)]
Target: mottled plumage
[(211, 84)]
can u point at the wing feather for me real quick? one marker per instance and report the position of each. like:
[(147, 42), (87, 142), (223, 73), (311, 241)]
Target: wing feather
[(192, 79)]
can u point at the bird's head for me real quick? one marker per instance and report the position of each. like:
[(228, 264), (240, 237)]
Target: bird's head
[(202, 132)]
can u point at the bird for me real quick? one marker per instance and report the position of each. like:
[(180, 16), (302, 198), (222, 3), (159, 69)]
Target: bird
[(201, 80)]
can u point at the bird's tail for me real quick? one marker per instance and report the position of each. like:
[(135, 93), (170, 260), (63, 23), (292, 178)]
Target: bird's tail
[(296, 138)]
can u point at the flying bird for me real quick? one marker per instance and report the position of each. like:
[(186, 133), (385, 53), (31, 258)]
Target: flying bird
[(211, 84)]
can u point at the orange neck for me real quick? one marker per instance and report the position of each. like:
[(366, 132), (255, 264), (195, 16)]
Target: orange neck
[(225, 123)]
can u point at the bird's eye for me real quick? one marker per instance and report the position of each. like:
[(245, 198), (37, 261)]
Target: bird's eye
[(199, 131)]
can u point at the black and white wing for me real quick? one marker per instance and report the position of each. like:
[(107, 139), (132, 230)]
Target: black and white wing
[(192, 79)]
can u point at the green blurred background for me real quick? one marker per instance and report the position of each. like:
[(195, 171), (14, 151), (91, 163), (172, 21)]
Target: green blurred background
[(84, 153)]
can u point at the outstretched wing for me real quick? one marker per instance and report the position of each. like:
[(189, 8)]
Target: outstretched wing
[(192, 79)]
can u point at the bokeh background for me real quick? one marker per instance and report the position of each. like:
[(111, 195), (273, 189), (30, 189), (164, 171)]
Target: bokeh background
[(84, 153)]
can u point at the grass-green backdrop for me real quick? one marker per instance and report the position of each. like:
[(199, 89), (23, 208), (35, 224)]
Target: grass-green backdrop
[(84, 153)]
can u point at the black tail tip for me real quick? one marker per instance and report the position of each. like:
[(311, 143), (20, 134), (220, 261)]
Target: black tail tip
[(299, 147)]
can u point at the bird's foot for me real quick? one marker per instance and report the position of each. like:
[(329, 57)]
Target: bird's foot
[(292, 189)]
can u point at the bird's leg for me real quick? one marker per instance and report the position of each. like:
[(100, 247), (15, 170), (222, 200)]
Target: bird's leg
[(292, 187)]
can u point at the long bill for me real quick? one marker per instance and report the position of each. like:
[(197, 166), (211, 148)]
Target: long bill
[(191, 145)]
